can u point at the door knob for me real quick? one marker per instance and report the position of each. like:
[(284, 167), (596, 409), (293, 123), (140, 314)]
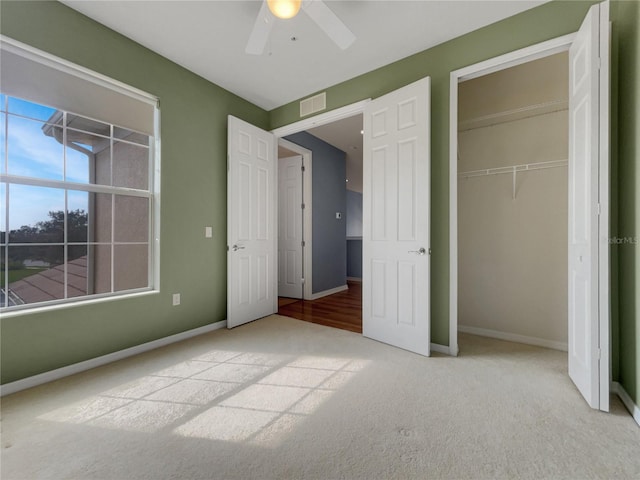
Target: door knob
[(235, 248), (422, 251)]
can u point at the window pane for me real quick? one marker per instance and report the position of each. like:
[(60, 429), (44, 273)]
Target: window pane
[(130, 136), (77, 217), (88, 158), (77, 122), (35, 274), (34, 149), (131, 219), (3, 271), (3, 211), (130, 267), (36, 214), (130, 166), (33, 110), (77, 272), (99, 221), (99, 265), (3, 99), (3, 124)]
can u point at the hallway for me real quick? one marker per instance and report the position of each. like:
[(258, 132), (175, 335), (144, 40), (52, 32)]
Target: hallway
[(341, 310)]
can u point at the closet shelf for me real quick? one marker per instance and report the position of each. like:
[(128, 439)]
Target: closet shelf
[(514, 170), (513, 115)]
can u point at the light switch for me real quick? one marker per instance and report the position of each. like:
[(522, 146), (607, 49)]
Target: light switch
[(208, 232)]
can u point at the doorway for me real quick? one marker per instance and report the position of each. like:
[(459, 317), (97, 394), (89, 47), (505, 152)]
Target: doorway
[(513, 203), (332, 287), (588, 286)]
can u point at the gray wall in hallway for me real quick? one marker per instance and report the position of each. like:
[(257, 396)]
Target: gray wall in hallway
[(354, 229), (329, 195)]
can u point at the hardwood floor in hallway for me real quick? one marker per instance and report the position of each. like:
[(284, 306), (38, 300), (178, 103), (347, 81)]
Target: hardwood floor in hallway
[(341, 310)]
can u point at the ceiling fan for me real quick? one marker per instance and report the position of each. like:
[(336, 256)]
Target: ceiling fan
[(317, 10)]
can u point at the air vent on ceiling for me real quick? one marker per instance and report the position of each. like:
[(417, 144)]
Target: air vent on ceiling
[(313, 104)]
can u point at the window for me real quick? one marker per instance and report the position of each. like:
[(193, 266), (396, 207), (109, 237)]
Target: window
[(78, 194)]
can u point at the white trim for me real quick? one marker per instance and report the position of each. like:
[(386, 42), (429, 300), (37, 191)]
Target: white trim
[(322, 119), (501, 62), (604, 248), (316, 296), (453, 210), (81, 187), (50, 376), (354, 279), (514, 337), (27, 51), (517, 57), (49, 306), (307, 214), (444, 349), (634, 410)]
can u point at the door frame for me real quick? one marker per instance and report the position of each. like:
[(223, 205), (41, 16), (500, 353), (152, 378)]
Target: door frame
[(307, 231), (534, 52), (301, 126)]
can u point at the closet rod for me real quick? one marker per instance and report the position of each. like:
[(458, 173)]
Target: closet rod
[(514, 168)]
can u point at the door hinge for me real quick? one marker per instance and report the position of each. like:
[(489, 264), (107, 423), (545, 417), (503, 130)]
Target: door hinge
[(599, 353), (598, 209), (302, 206), (302, 280), (302, 243), (302, 168)]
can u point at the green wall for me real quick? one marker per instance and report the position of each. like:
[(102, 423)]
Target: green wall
[(626, 25), (193, 195), (543, 23)]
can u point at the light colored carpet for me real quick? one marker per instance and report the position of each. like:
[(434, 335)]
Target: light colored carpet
[(280, 398)]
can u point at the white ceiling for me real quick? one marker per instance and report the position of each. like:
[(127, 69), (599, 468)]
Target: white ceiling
[(208, 37)]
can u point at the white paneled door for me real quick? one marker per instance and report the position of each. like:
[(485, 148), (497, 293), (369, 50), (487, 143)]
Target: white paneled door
[(396, 207), (251, 223), (587, 119), (290, 227)]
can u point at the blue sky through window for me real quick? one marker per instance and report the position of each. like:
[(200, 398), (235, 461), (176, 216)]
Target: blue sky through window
[(32, 153)]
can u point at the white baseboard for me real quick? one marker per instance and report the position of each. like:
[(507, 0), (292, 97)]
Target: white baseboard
[(634, 410), (436, 347), (513, 337), (59, 373), (315, 296)]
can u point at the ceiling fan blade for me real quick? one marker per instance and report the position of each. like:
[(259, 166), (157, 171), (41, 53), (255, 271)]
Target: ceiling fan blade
[(329, 23), (261, 29)]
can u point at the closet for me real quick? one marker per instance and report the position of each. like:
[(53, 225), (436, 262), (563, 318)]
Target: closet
[(512, 203)]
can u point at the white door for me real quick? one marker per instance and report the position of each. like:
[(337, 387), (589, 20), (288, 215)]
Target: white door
[(396, 207), (290, 227), (251, 223), (586, 121)]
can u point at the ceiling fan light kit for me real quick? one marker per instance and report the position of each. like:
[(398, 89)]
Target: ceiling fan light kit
[(317, 10), (284, 8)]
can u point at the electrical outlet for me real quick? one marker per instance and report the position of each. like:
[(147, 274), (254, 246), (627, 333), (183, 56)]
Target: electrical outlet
[(338, 215), (208, 232), (176, 299)]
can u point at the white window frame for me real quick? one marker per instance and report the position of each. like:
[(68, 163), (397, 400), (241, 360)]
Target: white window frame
[(152, 194)]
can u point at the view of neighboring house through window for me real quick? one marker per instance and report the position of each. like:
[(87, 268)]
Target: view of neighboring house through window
[(76, 206)]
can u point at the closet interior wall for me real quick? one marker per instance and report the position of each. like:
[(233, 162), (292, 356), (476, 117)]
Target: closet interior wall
[(513, 227)]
